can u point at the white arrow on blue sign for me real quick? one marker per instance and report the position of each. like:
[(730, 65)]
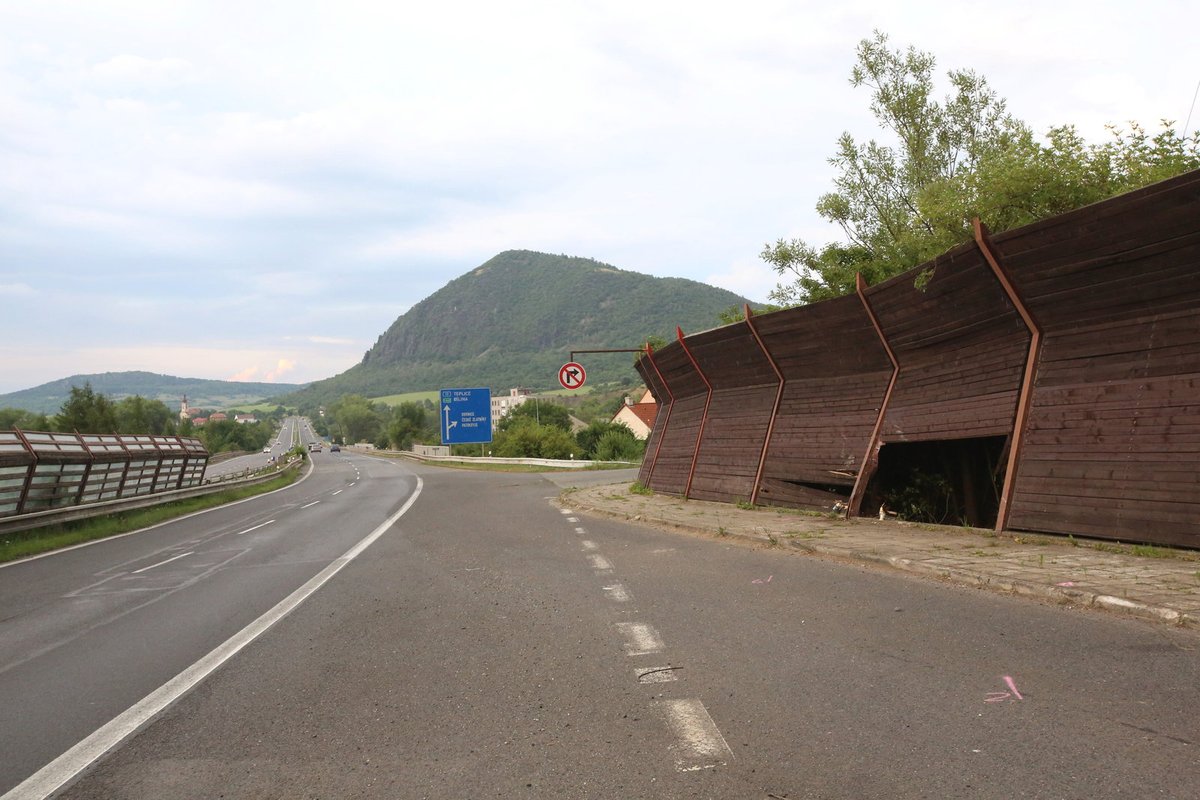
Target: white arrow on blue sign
[(466, 416)]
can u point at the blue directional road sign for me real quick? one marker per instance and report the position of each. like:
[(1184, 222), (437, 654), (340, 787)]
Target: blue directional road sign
[(466, 416)]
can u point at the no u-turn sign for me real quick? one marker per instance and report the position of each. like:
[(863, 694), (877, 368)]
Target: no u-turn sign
[(571, 375)]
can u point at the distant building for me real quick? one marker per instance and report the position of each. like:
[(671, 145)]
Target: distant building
[(200, 422), (639, 416), (184, 413), (218, 416), (243, 419), (502, 404)]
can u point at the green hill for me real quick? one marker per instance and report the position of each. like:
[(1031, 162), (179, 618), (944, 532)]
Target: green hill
[(49, 397), (514, 320)]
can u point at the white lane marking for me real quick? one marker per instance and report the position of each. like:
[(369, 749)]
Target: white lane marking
[(565, 511), (640, 639), (310, 505), (63, 769), (256, 527), (617, 592), (159, 564), (589, 545), (351, 484), (572, 519), (339, 491), (657, 674), (580, 531), (700, 744), (600, 562)]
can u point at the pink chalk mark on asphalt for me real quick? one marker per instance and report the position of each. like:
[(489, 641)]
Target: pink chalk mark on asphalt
[(760, 580), (999, 697)]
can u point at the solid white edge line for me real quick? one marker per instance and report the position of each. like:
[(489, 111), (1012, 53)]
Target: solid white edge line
[(63, 769)]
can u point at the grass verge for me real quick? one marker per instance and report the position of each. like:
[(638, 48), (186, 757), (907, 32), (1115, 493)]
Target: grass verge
[(23, 544)]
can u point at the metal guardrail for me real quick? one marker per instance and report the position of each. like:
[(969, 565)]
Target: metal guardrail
[(535, 462), (73, 513), (42, 471)]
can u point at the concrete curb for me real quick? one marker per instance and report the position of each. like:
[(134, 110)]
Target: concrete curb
[(1058, 595)]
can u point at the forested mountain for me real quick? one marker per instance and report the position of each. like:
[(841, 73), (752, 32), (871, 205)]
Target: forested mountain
[(201, 393), (514, 320)]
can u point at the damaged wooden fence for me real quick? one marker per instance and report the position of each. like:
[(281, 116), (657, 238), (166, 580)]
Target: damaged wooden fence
[(1046, 379)]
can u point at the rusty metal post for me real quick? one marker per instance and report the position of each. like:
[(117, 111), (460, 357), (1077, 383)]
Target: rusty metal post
[(704, 416), (666, 422), (87, 471), (762, 458), (125, 471), (28, 483), (1021, 419), (867, 468)]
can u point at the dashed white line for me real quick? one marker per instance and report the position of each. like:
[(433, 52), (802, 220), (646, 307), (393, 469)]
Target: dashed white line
[(339, 491), (572, 519), (580, 531), (588, 545), (565, 512), (256, 527), (700, 744), (61, 770), (640, 639), (310, 505), (600, 563), (617, 592), (159, 564)]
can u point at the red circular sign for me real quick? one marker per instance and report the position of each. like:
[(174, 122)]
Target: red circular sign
[(572, 375)]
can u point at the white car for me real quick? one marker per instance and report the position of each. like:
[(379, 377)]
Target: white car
[(267, 449)]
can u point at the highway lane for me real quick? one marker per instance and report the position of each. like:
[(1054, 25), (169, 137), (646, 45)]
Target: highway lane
[(88, 632), (491, 645), (293, 431)]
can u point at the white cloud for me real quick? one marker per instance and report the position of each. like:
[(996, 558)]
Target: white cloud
[(200, 162)]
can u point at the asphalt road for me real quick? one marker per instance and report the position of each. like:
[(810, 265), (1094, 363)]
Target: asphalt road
[(490, 645), (89, 632), (294, 430)]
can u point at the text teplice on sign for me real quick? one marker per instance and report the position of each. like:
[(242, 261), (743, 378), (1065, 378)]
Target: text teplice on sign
[(466, 416)]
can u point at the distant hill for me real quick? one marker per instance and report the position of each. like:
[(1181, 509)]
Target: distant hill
[(49, 397), (513, 321)]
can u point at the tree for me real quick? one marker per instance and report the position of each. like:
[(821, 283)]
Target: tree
[(86, 411), (136, 414), (902, 204), (354, 419), (525, 438), (409, 422), (589, 438), (542, 412), (11, 418), (616, 445)]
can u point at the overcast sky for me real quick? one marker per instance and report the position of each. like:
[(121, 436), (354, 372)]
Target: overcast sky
[(256, 190)]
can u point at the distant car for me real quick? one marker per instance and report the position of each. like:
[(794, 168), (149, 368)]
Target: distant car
[(333, 448), (267, 449)]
